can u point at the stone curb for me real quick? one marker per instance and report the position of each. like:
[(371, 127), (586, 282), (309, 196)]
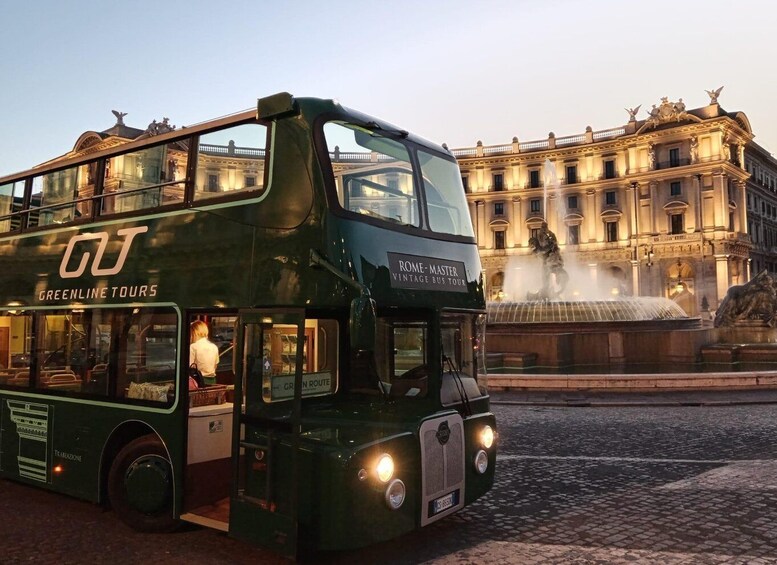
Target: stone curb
[(627, 404), (755, 380)]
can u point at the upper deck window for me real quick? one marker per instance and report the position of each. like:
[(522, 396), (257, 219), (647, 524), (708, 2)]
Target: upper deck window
[(145, 179), (231, 160), (11, 200), (56, 197), (373, 174), (445, 196)]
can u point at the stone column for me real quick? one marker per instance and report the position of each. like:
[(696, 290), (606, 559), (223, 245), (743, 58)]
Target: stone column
[(483, 241), (698, 218), (628, 214), (632, 195), (742, 208), (518, 224), (591, 220), (721, 276), (720, 199), (654, 205), (473, 214)]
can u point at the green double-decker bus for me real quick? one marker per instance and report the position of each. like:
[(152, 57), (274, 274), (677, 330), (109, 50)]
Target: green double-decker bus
[(331, 257)]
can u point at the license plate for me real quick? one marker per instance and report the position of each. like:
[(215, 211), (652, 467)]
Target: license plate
[(445, 502)]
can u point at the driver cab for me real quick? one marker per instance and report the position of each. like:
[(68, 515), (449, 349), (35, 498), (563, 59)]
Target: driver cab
[(406, 357)]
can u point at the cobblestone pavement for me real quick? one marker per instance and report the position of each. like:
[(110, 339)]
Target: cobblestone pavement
[(621, 484)]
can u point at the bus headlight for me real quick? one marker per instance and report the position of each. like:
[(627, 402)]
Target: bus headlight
[(481, 462), (395, 494), (487, 437), (385, 468)]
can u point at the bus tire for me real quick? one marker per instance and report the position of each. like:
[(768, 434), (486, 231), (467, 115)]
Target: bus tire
[(140, 486)]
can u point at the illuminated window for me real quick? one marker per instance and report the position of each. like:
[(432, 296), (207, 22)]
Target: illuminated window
[(534, 178), (611, 232), (676, 223), (499, 239), (571, 174), (674, 157), (609, 169), (573, 234)]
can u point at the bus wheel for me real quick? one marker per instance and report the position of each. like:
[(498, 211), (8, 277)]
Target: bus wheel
[(140, 486)]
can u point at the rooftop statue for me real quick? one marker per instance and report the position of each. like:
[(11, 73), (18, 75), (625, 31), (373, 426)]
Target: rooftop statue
[(713, 94), (119, 117), (633, 112)]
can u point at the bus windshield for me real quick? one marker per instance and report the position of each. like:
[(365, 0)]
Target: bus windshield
[(403, 361), (381, 175)]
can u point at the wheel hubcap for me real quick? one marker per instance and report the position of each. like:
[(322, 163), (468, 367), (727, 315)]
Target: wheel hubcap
[(147, 482)]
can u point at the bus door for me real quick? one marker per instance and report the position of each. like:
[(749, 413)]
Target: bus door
[(263, 505)]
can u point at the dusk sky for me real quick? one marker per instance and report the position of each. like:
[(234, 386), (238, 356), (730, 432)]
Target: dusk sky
[(452, 71)]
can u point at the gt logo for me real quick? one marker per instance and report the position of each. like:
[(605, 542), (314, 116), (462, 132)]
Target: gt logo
[(97, 271)]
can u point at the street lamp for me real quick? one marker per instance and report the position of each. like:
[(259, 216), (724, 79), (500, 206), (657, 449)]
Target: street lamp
[(679, 284), (648, 255)]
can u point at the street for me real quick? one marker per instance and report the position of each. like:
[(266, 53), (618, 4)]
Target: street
[(670, 484)]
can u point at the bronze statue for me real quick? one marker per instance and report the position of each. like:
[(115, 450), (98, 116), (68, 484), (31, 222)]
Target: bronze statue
[(755, 300), (546, 246)]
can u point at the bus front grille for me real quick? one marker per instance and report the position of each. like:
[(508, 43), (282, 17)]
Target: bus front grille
[(442, 464)]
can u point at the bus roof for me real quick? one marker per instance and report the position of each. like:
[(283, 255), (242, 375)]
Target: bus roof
[(151, 139)]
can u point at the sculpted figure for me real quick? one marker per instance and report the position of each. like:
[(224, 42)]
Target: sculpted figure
[(694, 149), (546, 246), (651, 157), (633, 112), (754, 300), (713, 94)]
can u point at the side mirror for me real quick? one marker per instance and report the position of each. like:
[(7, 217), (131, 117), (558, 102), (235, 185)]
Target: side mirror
[(362, 324)]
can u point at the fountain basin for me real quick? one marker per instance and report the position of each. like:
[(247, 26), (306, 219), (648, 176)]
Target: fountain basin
[(611, 334), (627, 309)]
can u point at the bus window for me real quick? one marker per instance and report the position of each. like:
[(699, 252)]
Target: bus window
[(99, 330), (11, 200), (53, 196), (402, 363), (61, 351), (145, 179), (382, 186), (459, 343), (222, 333), (147, 356), (445, 198), (319, 358), (111, 352), (231, 160), (15, 340)]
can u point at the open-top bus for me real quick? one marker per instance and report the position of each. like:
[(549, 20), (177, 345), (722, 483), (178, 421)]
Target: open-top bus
[(331, 255)]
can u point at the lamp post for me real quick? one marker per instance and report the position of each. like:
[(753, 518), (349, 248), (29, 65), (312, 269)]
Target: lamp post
[(647, 260)]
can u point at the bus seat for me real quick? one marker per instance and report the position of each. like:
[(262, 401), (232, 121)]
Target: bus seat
[(62, 378), (22, 378)]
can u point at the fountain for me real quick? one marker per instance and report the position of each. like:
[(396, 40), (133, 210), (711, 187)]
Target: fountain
[(563, 324)]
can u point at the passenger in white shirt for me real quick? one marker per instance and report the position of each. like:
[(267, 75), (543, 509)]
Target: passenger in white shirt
[(202, 352)]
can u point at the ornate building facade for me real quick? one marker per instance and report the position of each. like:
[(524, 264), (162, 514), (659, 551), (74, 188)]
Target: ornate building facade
[(680, 204)]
